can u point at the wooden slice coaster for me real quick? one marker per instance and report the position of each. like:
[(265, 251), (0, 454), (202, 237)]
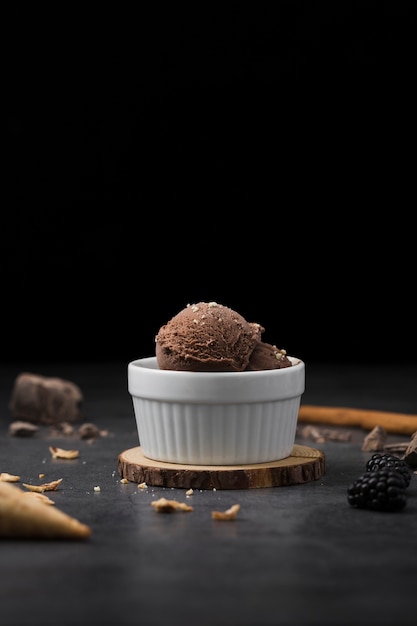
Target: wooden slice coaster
[(305, 464)]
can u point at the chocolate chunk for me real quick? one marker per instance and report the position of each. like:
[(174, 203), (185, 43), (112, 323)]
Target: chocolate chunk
[(375, 440), (410, 455), (42, 400)]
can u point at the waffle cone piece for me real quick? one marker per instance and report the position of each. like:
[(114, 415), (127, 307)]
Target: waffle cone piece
[(24, 517)]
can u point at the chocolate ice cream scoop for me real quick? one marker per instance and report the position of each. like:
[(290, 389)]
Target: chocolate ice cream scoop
[(267, 357), (207, 337)]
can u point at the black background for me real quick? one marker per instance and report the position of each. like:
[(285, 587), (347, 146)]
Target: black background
[(259, 156)]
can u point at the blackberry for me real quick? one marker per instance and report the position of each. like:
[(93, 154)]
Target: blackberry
[(378, 461), (380, 490)]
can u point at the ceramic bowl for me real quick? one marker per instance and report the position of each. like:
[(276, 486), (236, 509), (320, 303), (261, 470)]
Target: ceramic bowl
[(215, 418)]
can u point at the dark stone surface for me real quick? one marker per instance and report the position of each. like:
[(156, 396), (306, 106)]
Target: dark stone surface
[(294, 555)]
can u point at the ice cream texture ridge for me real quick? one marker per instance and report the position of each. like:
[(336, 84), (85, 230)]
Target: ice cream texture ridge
[(211, 337)]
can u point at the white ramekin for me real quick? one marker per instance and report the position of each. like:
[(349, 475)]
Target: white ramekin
[(215, 418)]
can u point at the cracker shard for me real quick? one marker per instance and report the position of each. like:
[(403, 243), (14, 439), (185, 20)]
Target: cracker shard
[(51, 486), (9, 478), (168, 506), (229, 514), (62, 453)]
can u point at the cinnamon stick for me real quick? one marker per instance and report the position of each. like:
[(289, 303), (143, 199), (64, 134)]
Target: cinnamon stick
[(400, 423)]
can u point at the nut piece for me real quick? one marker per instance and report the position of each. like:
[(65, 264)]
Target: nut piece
[(19, 428), (229, 514), (60, 453), (168, 506), (88, 430)]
